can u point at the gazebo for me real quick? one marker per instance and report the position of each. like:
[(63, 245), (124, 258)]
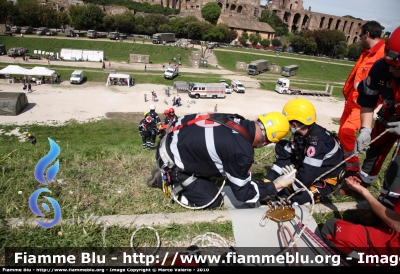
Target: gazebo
[(16, 71), (119, 79)]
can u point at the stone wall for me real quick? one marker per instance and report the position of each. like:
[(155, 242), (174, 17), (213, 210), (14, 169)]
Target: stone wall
[(297, 18)]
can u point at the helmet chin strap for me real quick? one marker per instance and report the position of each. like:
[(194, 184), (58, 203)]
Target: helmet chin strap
[(262, 140), (295, 129)]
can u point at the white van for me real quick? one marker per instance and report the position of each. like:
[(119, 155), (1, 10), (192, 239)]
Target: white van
[(76, 77), (228, 88), (171, 72), (238, 87)]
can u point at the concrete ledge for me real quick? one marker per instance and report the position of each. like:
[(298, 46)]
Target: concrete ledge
[(181, 218)]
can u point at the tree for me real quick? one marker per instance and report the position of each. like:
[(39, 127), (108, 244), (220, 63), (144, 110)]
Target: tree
[(76, 16), (164, 28), (124, 22), (63, 19), (213, 35), (354, 51), (28, 14), (275, 22), (153, 21), (108, 23), (230, 35), (93, 16), (298, 43), (340, 49), (284, 47), (49, 17), (6, 8), (265, 43), (243, 38), (195, 30), (254, 39), (310, 45), (276, 42), (211, 12)]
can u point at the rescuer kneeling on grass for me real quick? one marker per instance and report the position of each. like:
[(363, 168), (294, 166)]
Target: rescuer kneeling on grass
[(200, 146)]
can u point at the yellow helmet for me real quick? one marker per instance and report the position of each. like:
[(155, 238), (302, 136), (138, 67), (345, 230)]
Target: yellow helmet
[(276, 125), (144, 114), (29, 135), (300, 110)]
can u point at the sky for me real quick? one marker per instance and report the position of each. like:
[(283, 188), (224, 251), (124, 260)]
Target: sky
[(386, 12)]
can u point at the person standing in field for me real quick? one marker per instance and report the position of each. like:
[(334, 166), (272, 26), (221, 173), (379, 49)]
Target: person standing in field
[(373, 49)]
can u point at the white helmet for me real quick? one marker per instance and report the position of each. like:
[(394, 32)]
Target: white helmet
[(152, 107)]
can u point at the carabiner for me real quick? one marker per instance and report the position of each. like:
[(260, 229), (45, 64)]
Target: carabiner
[(264, 221)]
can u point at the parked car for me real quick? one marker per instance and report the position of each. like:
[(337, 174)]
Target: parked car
[(27, 30), (42, 31), (51, 33), (20, 51), (15, 29)]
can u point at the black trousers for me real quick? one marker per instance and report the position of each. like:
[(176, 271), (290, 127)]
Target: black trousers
[(198, 193)]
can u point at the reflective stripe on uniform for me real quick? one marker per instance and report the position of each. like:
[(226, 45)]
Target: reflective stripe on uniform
[(288, 148), (255, 199), (236, 181), (276, 168), (313, 162), (212, 152), (371, 92), (332, 152), (317, 162)]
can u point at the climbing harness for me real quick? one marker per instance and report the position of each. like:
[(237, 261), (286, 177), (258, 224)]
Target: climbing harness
[(166, 164)]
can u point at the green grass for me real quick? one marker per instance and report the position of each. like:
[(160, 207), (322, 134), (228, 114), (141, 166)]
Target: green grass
[(319, 72), (114, 51)]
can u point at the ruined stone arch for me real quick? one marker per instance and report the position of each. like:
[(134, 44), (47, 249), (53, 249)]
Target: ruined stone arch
[(322, 22), (305, 22), (239, 9), (351, 27), (337, 26), (296, 23), (233, 7)]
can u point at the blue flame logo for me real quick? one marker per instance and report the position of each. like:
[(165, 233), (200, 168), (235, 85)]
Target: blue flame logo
[(45, 161), (50, 175)]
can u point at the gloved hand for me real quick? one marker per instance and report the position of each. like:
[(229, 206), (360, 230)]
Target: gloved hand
[(286, 179), (287, 169), (395, 127), (363, 139)]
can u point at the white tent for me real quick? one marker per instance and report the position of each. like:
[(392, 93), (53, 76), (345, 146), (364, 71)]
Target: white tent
[(14, 69), (116, 79), (41, 71)]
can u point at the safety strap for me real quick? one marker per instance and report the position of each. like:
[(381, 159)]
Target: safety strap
[(178, 187), (221, 118), (320, 243), (225, 119)]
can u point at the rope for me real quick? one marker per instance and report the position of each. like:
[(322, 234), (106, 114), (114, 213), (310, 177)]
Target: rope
[(204, 206), (309, 217), (354, 154), (304, 226), (208, 236), (158, 239)]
